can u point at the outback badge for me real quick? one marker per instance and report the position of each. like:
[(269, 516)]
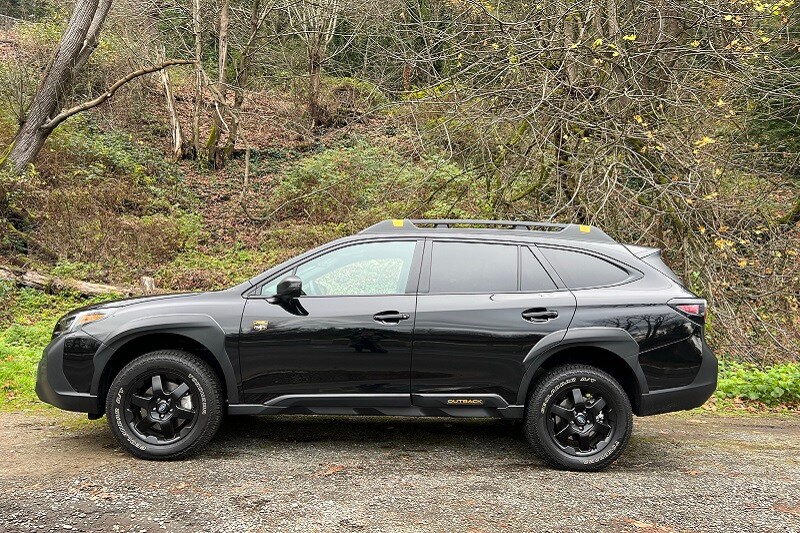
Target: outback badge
[(464, 401)]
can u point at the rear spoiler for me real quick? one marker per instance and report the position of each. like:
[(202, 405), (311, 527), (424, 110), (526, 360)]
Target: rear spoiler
[(641, 251), (652, 256)]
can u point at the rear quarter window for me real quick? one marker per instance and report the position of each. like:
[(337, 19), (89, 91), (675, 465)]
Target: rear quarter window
[(582, 270)]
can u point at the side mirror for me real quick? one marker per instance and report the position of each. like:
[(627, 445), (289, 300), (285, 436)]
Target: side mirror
[(288, 289)]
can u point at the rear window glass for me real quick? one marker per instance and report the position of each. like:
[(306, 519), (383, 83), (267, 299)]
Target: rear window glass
[(471, 267), (534, 276), (579, 270)]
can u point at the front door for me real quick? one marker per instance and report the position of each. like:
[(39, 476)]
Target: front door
[(482, 307), (347, 339)]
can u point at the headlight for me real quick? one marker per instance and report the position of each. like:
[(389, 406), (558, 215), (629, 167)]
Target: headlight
[(87, 318), (73, 322)]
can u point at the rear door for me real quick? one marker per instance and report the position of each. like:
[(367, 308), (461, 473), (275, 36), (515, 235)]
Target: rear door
[(481, 308)]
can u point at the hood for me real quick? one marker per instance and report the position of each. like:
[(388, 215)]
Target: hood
[(125, 302)]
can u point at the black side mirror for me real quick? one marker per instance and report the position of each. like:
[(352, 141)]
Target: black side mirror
[(288, 289)]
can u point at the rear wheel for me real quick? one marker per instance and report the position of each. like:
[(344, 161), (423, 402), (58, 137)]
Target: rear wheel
[(165, 405), (578, 418)]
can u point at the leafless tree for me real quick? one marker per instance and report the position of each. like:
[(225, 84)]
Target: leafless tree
[(315, 23)]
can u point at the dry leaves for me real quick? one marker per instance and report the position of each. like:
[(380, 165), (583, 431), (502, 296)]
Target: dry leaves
[(330, 470)]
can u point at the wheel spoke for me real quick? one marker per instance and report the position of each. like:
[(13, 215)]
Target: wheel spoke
[(578, 399), (158, 388), (143, 425), (140, 401), (182, 413), (584, 440), (562, 412), (564, 432), (179, 391), (597, 406), (603, 428), (167, 429)]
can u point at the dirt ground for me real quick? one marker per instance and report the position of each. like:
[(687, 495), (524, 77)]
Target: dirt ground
[(681, 472)]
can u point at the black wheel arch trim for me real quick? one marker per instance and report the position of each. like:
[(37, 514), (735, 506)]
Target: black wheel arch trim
[(615, 340), (200, 328)]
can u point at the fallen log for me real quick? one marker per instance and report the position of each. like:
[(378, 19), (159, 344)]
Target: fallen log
[(52, 283)]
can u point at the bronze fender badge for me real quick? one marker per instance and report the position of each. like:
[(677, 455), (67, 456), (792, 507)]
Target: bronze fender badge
[(464, 401)]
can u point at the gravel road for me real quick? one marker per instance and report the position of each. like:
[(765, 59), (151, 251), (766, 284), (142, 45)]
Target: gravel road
[(681, 472)]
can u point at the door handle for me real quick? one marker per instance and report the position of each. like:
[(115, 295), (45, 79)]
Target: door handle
[(539, 314), (390, 317)]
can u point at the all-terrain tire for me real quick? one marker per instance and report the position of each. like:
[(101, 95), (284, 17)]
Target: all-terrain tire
[(562, 426), (187, 391)]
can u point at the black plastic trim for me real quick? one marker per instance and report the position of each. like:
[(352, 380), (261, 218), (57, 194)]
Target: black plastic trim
[(682, 398)]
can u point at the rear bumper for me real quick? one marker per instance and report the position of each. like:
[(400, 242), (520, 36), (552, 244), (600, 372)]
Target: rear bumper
[(53, 387), (682, 398)]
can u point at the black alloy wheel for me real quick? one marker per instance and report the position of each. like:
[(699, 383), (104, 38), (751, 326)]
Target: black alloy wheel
[(161, 408), (580, 421)]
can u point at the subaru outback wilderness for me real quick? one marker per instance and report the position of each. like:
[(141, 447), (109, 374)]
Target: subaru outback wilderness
[(557, 325)]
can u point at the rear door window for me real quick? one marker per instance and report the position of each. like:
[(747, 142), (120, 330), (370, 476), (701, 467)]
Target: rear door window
[(534, 276), (582, 270), (464, 267)]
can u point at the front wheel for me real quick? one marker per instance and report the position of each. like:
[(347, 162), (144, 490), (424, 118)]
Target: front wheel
[(165, 404), (578, 418)]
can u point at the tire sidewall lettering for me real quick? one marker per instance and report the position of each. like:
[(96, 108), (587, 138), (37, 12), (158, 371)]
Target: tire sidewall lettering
[(121, 424), (202, 392), (552, 391), (606, 453)]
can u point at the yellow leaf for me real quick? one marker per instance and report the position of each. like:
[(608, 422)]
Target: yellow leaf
[(742, 262), (704, 141), (631, 37)]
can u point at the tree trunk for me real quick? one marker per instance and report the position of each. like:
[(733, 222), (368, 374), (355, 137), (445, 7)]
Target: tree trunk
[(44, 282), (198, 77), (315, 110), (178, 151), (215, 155), (242, 74), (77, 43)]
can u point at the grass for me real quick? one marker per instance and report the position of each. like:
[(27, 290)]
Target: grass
[(27, 317)]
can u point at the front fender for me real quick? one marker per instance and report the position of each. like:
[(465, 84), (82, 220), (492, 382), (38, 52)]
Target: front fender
[(200, 328), (615, 340)]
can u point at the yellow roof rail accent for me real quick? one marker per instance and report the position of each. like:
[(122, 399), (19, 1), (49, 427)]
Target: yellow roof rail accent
[(585, 228), (397, 222)]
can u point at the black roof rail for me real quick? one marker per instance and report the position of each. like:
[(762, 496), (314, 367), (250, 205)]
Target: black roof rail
[(564, 231)]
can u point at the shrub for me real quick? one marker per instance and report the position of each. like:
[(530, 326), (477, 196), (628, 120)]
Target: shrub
[(362, 184), (778, 384)]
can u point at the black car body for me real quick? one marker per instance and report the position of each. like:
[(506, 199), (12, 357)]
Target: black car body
[(412, 318)]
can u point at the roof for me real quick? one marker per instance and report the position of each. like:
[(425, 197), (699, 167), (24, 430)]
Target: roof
[(575, 232)]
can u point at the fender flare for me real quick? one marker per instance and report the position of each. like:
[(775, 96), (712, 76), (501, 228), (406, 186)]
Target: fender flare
[(615, 340), (200, 328)]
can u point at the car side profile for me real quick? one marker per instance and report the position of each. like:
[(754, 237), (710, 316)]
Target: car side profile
[(557, 325)]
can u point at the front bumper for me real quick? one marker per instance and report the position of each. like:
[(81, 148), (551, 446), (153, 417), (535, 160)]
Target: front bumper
[(682, 398), (53, 386)]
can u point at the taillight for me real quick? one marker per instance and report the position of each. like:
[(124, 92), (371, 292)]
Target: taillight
[(692, 309)]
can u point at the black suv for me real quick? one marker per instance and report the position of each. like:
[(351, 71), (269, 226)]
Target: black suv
[(558, 325)]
